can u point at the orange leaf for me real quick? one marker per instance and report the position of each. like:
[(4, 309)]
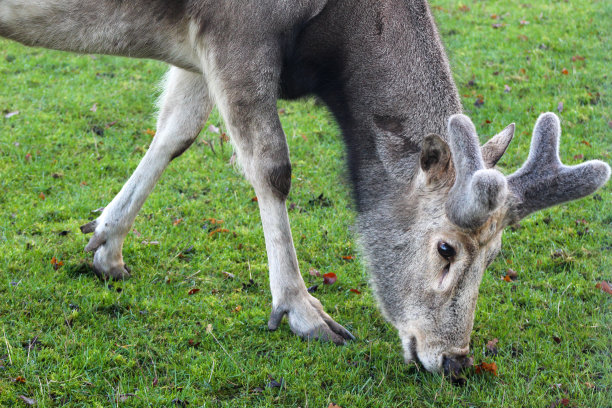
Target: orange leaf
[(218, 230), (238, 308), (329, 278), (507, 278), (42, 196), (355, 291), (604, 286), (177, 221), (348, 257), (332, 405), (150, 132), (214, 221), (20, 380), (577, 58), (254, 199), (193, 291), (486, 367), (564, 71)]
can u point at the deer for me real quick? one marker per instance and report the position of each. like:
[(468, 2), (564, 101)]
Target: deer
[(431, 206)]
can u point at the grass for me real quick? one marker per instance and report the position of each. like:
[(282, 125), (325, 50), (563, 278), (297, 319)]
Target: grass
[(71, 340)]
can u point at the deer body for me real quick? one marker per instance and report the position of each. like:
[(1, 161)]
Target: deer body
[(431, 207)]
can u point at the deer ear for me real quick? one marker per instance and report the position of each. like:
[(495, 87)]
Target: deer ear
[(435, 157), (495, 148), (396, 150)]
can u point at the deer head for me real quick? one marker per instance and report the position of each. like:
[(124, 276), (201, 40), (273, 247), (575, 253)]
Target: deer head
[(427, 284)]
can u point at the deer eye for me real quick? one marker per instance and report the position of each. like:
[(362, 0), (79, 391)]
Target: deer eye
[(445, 250)]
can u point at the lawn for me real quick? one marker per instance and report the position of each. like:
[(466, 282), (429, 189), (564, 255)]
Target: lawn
[(83, 122)]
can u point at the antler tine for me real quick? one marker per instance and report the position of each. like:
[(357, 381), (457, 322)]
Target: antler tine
[(477, 191), (543, 180)]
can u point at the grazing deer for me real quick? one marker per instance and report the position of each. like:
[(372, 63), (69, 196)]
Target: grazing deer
[(431, 207)]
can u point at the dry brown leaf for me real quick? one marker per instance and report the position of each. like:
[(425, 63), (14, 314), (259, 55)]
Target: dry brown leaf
[(486, 368), (217, 231), (193, 291), (605, 287), (329, 278)]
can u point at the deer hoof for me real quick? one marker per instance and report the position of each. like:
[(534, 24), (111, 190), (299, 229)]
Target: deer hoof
[(308, 320), (120, 272)]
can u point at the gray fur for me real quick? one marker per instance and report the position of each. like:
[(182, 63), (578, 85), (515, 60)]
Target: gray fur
[(418, 174)]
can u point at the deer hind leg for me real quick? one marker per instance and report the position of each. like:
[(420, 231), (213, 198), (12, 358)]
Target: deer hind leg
[(185, 106), (243, 86)]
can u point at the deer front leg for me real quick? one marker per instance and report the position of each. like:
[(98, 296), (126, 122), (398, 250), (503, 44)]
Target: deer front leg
[(185, 106), (248, 104)]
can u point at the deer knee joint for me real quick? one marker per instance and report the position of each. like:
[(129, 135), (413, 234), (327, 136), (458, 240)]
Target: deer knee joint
[(280, 179)]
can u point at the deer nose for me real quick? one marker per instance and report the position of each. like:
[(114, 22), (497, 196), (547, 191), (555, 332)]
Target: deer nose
[(453, 365)]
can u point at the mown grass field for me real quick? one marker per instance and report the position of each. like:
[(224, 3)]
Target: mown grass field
[(69, 339)]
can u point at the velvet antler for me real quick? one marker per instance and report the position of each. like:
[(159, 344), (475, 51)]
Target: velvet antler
[(477, 191), (543, 180)]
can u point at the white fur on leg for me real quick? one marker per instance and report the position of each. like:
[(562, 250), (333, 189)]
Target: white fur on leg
[(185, 105)]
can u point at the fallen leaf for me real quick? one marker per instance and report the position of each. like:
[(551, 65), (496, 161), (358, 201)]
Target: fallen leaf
[(577, 58), (492, 346), (506, 278), (254, 199), (11, 114), (313, 288), (155, 381), (332, 405), (20, 380), (579, 156), (329, 278), (27, 400), (355, 291), (314, 272), (209, 328), (463, 8), (584, 142), (557, 339), (348, 257), (564, 71), (498, 25), (563, 402), (605, 287), (237, 308), (511, 274), (479, 101), (177, 221), (94, 107), (217, 231), (56, 264), (28, 157), (273, 383), (193, 291), (42, 196), (150, 132), (180, 402), (214, 221), (486, 367), (228, 275)]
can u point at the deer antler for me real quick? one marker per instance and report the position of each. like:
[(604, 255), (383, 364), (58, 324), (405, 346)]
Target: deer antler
[(543, 180), (477, 191)]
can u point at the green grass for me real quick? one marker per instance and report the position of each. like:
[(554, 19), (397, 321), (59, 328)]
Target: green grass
[(146, 340)]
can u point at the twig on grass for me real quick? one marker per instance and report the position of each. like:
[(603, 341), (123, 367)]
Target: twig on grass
[(209, 331), (8, 346)]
